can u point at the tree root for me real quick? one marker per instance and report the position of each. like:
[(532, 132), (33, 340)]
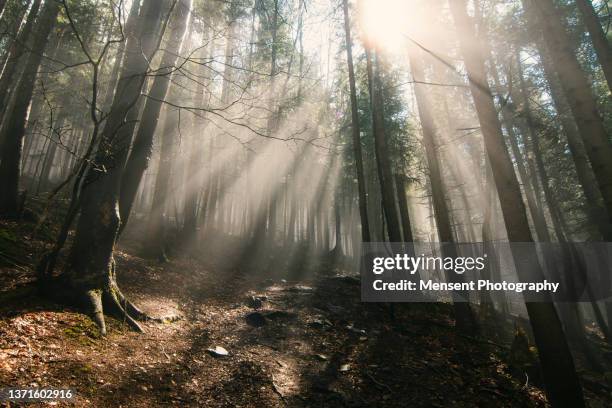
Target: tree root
[(94, 298), (111, 301), (118, 310)]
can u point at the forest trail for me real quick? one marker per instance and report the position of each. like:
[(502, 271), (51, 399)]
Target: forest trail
[(309, 343)]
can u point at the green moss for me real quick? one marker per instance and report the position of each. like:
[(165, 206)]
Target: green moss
[(7, 235), (85, 332)]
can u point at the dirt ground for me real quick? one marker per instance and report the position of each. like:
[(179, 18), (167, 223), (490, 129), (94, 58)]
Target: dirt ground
[(309, 343)]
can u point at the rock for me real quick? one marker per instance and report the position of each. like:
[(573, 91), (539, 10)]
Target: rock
[(256, 302), (300, 288), (218, 351), (320, 324), (320, 357), (355, 330), (255, 319), (344, 368)]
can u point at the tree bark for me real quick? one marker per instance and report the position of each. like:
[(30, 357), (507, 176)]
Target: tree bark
[(562, 383), (594, 202), (355, 130), (114, 75), (17, 49), (13, 130), (90, 271), (381, 148), (12, 30), (543, 15), (464, 317), (142, 148), (598, 37)]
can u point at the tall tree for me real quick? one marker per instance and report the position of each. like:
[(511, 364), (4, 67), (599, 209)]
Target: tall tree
[(598, 37), (142, 147), (355, 130), (577, 90), (562, 384), (91, 267), (16, 51), (463, 313), (13, 128), (381, 147)]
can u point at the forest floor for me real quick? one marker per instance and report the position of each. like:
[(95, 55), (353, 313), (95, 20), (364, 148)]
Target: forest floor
[(307, 343)]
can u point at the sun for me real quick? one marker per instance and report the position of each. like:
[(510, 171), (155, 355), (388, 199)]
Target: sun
[(386, 23)]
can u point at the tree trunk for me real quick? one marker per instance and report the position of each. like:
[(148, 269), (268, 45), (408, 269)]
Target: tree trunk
[(120, 55), (355, 130), (157, 220), (54, 140), (142, 148), (17, 49), (562, 384), (13, 130), (543, 14), (598, 37), (400, 186), (464, 317), (381, 148), (12, 30), (90, 270), (593, 199)]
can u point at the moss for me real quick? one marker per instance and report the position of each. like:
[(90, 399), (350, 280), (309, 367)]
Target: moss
[(7, 235), (84, 331)]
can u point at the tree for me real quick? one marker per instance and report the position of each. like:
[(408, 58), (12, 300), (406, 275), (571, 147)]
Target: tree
[(13, 128), (91, 268), (16, 51), (577, 92), (381, 147), (355, 130), (142, 148), (562, 384), (598, 37), (466, 321)]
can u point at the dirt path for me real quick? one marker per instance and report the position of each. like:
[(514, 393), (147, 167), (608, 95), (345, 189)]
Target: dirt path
[(308, 344)]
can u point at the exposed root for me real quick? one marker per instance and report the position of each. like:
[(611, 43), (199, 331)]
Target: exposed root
[(132, 309), (94, 298), (112, 302), (110, 298)]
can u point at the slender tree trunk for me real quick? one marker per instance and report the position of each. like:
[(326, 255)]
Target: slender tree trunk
[(355, 130), (593, 199), (400, 186), (54, 136), (159, 207), (465, 319), (142, 148), (562, 384), (381, 148), (16, 51), (598, 37), (12, 32), (543, 14), (2, 4), (13, 130)]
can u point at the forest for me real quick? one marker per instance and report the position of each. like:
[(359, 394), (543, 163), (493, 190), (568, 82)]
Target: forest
[(189, 190)]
